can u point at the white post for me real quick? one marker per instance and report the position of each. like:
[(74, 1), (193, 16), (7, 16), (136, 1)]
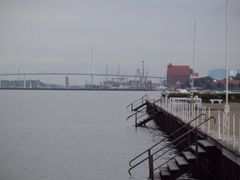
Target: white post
[(192, 115), (186, 112), (234, 132), (202, 118), (182, 111), (228, 130), (197, 114), (209, 124), (219, 126), (93, 66), (239, 135), (189, 112), (194, 123)]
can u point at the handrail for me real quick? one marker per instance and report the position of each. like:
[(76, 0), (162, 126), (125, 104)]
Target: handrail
[(141, 115), (142, 109), (168, 150), (165, 138), (146, 158), (178, 138), (173, 156), (129, 171), (136, 112), (146, 151), (136, 100), (191, 130)]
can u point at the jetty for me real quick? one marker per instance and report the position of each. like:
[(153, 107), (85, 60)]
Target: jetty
[(207, 143)]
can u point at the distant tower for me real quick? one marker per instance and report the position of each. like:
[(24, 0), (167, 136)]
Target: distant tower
[(143, 73), (24, 81), (67, 81), (106, 72), (118, 73), (93, 66)]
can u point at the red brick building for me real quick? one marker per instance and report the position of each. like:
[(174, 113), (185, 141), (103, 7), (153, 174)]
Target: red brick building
[(178, 76)]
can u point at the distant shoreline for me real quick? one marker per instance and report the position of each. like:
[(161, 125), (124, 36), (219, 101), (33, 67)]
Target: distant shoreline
[(74, 89)]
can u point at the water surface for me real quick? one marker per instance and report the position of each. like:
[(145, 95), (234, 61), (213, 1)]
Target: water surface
[(59, 135)]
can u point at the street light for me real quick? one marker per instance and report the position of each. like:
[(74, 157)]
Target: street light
[(226, 113)]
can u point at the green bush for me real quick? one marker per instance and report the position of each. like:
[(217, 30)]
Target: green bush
[(233, 97)]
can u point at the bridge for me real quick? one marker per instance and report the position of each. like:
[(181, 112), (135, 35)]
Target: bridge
[(79, 74), (139, 80)]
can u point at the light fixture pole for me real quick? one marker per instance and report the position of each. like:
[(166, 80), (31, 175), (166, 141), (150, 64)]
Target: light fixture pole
[(226, 113), (194, 46), (226, 107)]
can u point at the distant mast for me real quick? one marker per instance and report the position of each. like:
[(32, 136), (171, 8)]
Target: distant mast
[(194, 47), (93, 66)]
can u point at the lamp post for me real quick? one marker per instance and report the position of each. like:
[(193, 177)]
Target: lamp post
[(226, 113), (226, 107)]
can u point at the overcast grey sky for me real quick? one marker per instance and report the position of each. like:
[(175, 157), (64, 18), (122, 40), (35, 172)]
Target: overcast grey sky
[(57, 35)]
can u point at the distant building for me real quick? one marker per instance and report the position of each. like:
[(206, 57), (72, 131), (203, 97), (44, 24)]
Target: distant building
[(178, 76), (220, 74), (20, 84)]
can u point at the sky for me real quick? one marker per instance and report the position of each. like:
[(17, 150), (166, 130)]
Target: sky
[(57, 35)]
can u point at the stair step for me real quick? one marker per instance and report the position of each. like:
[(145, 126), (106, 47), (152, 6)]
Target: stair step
[(172, 166), (206, 144), (142, 123), (164, 172), (189, 156), (200, 150), (181, 161)]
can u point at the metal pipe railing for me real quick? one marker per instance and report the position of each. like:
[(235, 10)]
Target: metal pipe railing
[(137, 100), (150, 156), (163, 140), (191, 130)]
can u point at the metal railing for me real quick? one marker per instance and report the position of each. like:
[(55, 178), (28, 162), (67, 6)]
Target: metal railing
[(191, 130), (226, 130), (143, 111), (156, 144), (136, 102), (150, 156)]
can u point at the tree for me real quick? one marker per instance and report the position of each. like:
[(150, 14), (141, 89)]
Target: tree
[(237, 77), (204, 83)]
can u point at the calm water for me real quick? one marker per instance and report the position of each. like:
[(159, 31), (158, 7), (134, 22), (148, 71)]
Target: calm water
[(70, 135)]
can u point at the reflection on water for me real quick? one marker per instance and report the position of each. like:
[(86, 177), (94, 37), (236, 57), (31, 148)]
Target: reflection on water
[(70, 135)]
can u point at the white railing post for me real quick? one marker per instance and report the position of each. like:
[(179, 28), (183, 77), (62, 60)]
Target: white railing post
[(228, 130), (234, 131), (189, 112), (209, 124), (197, 114), (219, 125), (185, 112), (239, 135), (202, 118), (194, 115)]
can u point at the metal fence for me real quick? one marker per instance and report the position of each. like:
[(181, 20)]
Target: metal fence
[(226, 130)]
